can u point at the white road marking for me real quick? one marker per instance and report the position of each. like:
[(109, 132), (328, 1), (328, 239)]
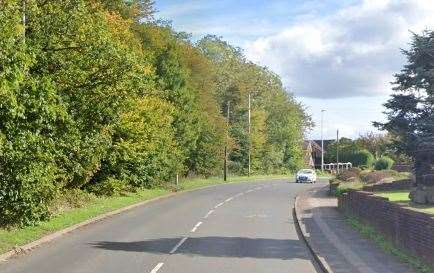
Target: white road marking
[(196, 226), (249, 191), (257, 216), (157, 267), (209, 213), (258, 188), (178, 245), (219, 205), (229, 199), (240, 194)]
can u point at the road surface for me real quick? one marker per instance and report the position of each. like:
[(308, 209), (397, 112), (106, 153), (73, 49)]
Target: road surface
[(231, 228)]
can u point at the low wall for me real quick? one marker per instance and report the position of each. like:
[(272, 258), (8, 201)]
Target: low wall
[(402, 168), (404, 184), (409, 230)]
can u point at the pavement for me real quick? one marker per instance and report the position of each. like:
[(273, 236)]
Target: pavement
[(231, 228), (338, 246)]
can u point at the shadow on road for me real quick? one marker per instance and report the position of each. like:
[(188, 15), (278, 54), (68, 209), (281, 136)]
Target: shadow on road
[(238, 247)]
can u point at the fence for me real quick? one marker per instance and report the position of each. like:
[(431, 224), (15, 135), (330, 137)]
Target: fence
[(409, 230)]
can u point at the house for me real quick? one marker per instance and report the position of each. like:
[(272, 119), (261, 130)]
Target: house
[(312, 152)]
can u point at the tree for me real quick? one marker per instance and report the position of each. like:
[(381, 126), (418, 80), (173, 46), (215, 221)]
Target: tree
[(377, 144), (410, 110), (98, 96), (278, 121), (145, 152)]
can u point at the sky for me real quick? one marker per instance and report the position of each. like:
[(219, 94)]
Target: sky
[(334, 55)]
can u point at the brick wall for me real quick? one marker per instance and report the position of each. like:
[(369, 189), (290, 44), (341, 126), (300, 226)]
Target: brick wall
[(404, 184), (409, 230), (402, 168)]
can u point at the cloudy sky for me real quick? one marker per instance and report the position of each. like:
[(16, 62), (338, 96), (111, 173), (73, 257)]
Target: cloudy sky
[(337, 55)]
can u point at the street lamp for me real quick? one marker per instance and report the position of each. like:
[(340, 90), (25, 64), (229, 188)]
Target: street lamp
[(225, 163), (250, 138), (322, 140)]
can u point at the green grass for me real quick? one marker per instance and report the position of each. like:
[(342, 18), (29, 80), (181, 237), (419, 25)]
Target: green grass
[(344, 187), (371, 233), (402, 198), (202, 182), (17, 237)]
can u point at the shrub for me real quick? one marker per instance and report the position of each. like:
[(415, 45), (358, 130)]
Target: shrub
[(109, 187), (346, 187), (378, 176), (350, 174), (26, 192), (362, 158), (70, 199), (384, 163)]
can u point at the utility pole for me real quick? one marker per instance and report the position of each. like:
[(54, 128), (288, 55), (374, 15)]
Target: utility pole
[(225, 171), (250, 138), (322, 140), (337, 151)]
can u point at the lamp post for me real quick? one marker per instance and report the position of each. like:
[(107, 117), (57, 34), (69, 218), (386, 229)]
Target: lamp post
[(250, 138), (225, 164), (322, 140), (337, 151)]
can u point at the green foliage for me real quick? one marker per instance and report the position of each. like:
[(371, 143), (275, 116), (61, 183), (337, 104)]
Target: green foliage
[(410, 109), (144, 151), (277, 120), (109, 187), (361, 158), (97, 96), (384, 163), (350, 151)]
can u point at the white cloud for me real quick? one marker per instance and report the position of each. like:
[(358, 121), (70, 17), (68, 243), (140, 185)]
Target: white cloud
[(353, 52)]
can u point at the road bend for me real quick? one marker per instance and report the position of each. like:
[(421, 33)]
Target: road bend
[(246, 227)]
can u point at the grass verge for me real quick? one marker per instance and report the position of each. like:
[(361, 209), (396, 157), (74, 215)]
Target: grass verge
[(371, 233), (196, 183), (402, 198), (17, 237)]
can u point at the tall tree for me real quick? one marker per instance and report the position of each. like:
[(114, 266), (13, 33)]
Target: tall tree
[(410, 111)]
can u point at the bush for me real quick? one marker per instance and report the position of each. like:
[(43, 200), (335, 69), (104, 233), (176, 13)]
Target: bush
[(378, 176), (109, 187), (384, 163), (362, 158), (70, 199), (346, 187), (350, 174)]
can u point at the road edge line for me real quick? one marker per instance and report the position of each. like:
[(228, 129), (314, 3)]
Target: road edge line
[(24, 249), (325, 267)]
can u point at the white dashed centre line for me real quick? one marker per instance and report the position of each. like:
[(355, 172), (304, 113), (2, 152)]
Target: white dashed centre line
[(249, 191), (240, 194), (196, 226), (178, 245), (219, 205), (157, 267), (229, 199), (209, 213)]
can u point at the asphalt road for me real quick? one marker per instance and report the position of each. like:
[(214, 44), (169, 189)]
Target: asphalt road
[(231, 228)]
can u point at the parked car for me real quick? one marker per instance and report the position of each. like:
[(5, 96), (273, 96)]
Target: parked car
[(305, 176)]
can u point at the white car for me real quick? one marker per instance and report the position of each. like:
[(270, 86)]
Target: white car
[(305, 176)]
